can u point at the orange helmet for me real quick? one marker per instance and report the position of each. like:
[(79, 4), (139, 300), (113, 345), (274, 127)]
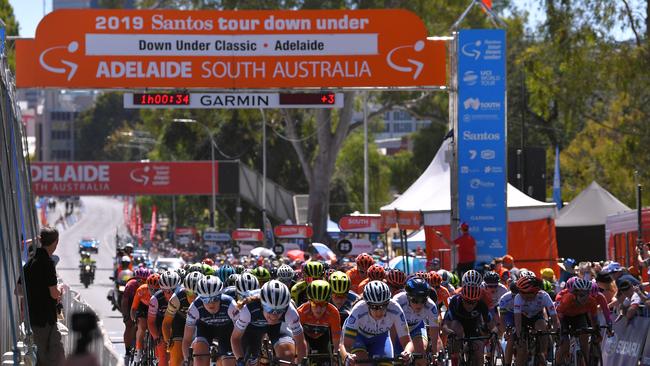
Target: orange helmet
[(470, 292), (422, 274), (434, 279), (153, 281), (396, 278), (528, 285), (208, 261), (376, 272), (364, 261)]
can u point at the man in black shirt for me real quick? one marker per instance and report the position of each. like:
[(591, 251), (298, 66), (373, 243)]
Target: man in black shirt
[(42, 297)]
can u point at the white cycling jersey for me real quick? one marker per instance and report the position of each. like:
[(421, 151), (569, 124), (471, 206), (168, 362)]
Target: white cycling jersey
[(531, 308), (360, 321), (428, 314), (290, 318), (496, 296), (507, 302)]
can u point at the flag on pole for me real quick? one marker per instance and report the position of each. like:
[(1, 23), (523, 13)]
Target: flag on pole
[(557, 186), (154, 220), (487, 3)]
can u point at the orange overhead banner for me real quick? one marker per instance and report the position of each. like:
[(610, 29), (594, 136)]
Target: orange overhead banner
[(77, 48)]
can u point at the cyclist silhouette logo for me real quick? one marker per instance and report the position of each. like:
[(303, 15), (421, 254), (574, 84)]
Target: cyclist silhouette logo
[(415, 67), (72, 47), (140, 175)]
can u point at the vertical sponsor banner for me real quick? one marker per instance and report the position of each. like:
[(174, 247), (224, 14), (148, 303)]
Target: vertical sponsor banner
[(153, 223), (482, 178), (625, 347)]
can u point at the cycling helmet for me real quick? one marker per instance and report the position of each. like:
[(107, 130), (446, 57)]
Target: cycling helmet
[(491, 278), (422, 274), (570, 283), (232, 279), (153, 281), (191, 281), (208, 261), (547, 274), (328, 272), (207, 270), (239, 269), (445, 275), (526, 273), (340, 282), (195, 268), (472, 277), (435, 280), (285, 273), (376, 293), (128, 246), (454, 280), (181, 273), (319, 290), (141, 273), (470, 292), (125, 259), (209, 286), (582, 285), (364, 261), (396, 278), (263, 275), (275, 295), (246, 282), (224, 272), (417, 287), (548, 287), (169, 280), (314, 269), (376, 272), (528, 285)]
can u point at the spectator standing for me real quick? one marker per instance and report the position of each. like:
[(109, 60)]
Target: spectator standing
[(43, 295), (466, 249)]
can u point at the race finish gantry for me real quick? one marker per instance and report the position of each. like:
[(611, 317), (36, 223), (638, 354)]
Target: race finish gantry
[(259, 59)]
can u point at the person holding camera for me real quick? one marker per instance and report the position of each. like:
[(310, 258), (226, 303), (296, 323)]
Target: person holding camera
[(43, 294)]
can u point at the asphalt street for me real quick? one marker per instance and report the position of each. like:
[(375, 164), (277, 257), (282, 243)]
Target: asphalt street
[(98, 217)]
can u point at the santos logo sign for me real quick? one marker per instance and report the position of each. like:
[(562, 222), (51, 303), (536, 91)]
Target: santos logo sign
[(481, 136)]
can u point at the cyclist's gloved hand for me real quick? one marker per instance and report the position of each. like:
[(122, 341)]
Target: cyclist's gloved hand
[(240, 362), (350, 360), (406, 357)]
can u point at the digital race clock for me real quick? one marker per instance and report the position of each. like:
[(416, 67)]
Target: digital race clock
[(307, 99), (161, 99)]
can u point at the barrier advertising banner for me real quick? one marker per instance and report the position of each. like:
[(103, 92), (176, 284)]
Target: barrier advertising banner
[(624, 348), (76, 48), (361, 224), (482, 179), (128, 178)]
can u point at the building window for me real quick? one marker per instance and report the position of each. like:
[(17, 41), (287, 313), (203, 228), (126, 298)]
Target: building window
[(60, 135), (61, 154), (402, 127)]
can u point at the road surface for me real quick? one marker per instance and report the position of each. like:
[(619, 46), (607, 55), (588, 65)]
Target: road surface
[(99, 217)]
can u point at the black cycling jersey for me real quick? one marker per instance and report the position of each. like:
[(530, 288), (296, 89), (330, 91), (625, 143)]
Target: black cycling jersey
[(457, 311)]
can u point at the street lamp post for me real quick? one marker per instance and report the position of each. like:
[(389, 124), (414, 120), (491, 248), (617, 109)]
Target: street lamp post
[(212, 143)]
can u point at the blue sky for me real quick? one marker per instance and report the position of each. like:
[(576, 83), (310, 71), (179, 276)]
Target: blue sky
[(30, 12)]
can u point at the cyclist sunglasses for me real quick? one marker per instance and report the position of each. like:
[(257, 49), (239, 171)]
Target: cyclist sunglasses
[(378, 307), (340, 296), (318, 304), (211, 299), (269, 310), (417, 300)]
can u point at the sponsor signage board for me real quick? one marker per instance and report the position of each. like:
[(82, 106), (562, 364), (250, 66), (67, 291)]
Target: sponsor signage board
[(360, 224), (215, 236), (481, 126), (254, 235), (293, 231), (403, 220), (89, 48), (126, 178)]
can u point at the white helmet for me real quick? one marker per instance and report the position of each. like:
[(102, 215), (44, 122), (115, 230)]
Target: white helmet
[(285, 272), (275, 295), (472, 277), (191, 281), (246, 282), (376, 292), (209, 286), (582, 284), (169, 280)]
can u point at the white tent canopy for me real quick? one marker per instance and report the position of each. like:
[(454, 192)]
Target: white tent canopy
[(431, 194), (590, 208)]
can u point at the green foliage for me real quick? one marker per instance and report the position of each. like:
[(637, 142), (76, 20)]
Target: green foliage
[(349, 164), (403, 170), (12, 29)]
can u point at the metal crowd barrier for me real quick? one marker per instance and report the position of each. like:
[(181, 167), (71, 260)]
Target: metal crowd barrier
[(101, 346)]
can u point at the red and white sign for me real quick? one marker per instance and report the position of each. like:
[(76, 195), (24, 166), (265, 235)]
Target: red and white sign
[(293, 231), (76, 48), (127, 178), (403, 220), (361, 224), (248, 235), (185, 231), (360, 246)]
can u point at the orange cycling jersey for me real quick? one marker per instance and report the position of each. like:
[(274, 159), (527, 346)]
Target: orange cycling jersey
[(443, 296), (355, 278), (141, 295), (569, 306), (316, 327)]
